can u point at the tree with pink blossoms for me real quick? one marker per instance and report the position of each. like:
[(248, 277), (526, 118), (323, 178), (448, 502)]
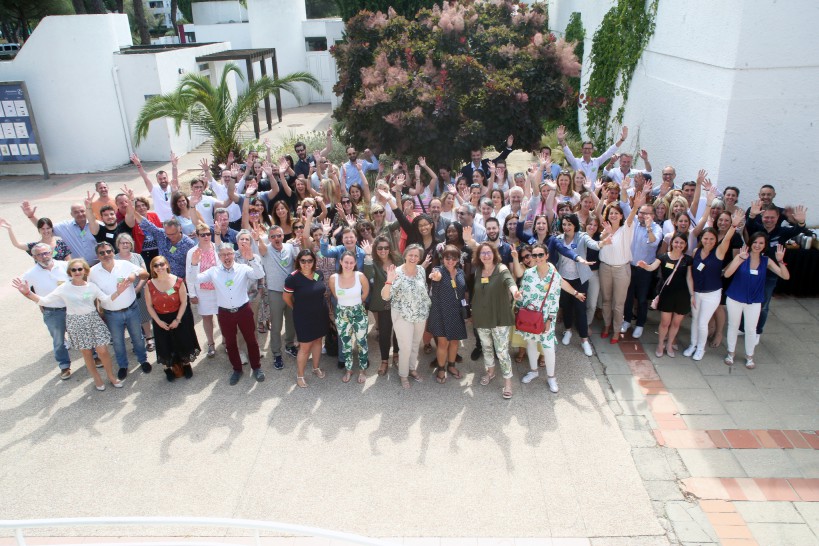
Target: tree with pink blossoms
[(452, 79)]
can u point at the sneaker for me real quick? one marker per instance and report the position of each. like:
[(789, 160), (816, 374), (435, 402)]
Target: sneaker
[(323, 350), (567, 337), (529, 376), (587, 348), (624, 328), (146, 367), (698, 354), (65, 374), (235, 376), (122, 373), (258, 374), (211, 351), (728, 360), (169, 374), (292, 350), (638, 331), (476, 353), (552, 382), (690, 350), (749, 363), (278, 363)]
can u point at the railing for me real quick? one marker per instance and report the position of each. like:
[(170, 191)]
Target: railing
[(18, 526)]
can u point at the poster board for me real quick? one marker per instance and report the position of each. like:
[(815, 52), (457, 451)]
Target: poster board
[(19, 138)]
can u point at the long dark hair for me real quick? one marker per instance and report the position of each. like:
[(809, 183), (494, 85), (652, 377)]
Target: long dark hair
[(394, 256)]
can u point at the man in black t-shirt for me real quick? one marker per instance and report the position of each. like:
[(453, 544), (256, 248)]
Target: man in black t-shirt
[(109, 228)]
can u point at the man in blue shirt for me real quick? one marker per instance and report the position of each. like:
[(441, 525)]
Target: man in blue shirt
[(647, 237), (349, 171)]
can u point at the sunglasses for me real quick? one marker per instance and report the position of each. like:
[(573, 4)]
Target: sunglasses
[(378, 212), (160, 264), (76, 269), (382, 248), (204, 234), (105, 252), (306, 261), (538, 254), (298, 227)]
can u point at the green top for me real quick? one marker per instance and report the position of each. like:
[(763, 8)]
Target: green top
[(492, 301), (377, 276)]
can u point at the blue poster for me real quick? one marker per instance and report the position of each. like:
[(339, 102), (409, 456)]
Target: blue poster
[(18, 143)]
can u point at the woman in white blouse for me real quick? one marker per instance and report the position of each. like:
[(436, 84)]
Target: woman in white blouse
[(85, 330)]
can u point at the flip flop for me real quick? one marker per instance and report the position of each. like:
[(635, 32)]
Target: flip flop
[(362, 378), (487, 378), (347, 376), (507, 394)]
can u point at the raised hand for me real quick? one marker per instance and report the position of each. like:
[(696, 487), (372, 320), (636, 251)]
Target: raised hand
[(427, 261), (367, 247), (28, 210), (391, 273), (283, 165), (230, 158), (326, 226), (707, 185), (174, 159), (639, 199), (89, 198), (451, 188), (624, 133), (561, 133), (400, 179), (756, 207), (467, 233), (701, 176), (743, 252), (128, 191), (514, 253), (196, 256), (800, 213), (205, 165), (350, 220), (780, 253), (737, 218), (21, 286), (267, 168), (510, 140), (598, 185), (267, 144), (491, 165), (417, 172), (712, 193), (422, 161), (135, 160), (4, 224), (644, 155)]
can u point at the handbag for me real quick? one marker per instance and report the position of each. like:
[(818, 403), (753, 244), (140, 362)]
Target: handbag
[(530, 319), (656, 301)]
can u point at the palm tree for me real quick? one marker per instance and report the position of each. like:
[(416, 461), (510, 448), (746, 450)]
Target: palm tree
[(212, 111)]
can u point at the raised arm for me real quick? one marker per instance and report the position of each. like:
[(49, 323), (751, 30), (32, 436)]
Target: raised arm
[(741, 256), (93, 225), (130, 213), (174, 172), (639, 201), (695, 204), (329, 145), (780, 268), (646, 162), (7, 226), (138, 164)]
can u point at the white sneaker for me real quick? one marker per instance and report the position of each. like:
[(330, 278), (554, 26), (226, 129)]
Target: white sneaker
[(698, 354), (587, 348), (529, 376), (552, 382), (638, 331), (690, 350), (567, 337), (624, 328)]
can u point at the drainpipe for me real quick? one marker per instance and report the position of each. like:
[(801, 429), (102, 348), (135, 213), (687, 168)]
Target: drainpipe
[(121, 104)]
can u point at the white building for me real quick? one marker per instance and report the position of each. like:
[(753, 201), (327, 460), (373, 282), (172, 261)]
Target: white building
[(727, 86), (161, 9)]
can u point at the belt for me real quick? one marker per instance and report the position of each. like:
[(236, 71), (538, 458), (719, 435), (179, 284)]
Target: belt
[(52, 308), (122, 310), (233, 309)]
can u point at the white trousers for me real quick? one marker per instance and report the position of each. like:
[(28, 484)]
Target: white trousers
[(736, 311), (706, 306)]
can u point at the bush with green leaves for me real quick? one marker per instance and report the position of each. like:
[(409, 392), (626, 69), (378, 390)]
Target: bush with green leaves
[(451, 79)]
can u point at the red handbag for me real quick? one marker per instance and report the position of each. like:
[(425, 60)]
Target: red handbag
[(529, 319)]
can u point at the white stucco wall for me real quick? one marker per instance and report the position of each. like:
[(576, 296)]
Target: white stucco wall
[(714, 90), (224, 11), (66, 64), (238, 34)]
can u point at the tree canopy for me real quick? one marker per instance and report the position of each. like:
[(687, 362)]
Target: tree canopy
[(451, 79)]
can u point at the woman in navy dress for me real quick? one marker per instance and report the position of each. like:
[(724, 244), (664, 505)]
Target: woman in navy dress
[(304, 293)]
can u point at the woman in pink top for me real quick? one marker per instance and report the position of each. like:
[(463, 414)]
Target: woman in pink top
[(203, 294)]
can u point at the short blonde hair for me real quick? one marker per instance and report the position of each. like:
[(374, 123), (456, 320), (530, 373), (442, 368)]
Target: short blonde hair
[(84, 265)]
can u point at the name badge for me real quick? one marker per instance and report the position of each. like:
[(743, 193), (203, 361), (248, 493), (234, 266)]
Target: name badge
[(669, 266), (173, 250), (484, 280), (283, 262), (59, 283), (207, 205), (453, 283), (701, 266), (120, 279), (315, 276), (109, 235), (229, 282), (340, 292), (87, 296), (170, 291), (754, 272), (54, 253)]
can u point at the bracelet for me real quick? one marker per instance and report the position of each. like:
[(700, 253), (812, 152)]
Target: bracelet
[(386, 283)]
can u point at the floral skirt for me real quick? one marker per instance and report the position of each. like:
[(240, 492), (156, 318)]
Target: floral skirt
[(86, 331)]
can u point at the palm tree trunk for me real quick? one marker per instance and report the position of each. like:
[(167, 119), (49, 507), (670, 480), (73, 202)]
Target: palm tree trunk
[(79, 7), (174, 7), (142, 24), (96, 6)]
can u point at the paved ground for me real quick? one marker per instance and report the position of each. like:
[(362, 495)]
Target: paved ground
[(633, 451)]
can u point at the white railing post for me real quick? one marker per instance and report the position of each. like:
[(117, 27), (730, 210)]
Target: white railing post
[(18, 534)]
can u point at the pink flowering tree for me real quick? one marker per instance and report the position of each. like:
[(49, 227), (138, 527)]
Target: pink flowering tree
[(453, 78)]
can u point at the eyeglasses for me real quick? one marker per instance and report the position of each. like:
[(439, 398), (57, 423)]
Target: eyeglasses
[(204, 234), (44, 253), (486, 253), (160, 264), (277, 236), (345, 201), (306, 261), (76, 269), (538, 254), (380, 248), (105, 252)]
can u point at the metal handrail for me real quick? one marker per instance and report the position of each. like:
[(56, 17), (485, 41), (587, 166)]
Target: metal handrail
[(19, 525)]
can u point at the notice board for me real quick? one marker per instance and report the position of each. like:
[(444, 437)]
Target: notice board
[(19, 138)]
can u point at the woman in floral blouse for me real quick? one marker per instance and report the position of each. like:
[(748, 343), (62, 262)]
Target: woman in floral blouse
[(539, 282), (406, 289)]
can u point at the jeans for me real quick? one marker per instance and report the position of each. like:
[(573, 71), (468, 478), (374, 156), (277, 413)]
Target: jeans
[(117, 322), (770, 285), (54, 320), (641, 281)]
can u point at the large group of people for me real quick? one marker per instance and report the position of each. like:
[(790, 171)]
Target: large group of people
[(306, 250)]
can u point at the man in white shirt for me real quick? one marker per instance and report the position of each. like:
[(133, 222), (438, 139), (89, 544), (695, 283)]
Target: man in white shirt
[(588, 164), (278, 260), (466, 216), (625, 170), (123, 312), (231, 282), (163, 190), (46, 275), (515, 202)]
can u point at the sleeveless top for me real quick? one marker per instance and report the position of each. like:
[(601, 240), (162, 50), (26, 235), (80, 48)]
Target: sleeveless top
[(748, 285), (707, 273), (349, 297), (164, 302)]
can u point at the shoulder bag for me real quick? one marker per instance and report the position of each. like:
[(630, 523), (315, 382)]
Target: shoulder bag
[(529, 319)]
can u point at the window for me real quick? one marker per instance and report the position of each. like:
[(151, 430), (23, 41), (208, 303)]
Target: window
[(155, 4), (316, 44)]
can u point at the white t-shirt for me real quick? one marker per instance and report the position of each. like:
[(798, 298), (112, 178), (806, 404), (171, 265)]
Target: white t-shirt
[(107, 281), (162, 202), (45, 281), (206, 206), (78, 300)]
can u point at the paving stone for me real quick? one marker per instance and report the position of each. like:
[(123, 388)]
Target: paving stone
[(640, 438), (809, 511), (681, 377), (663, 490), (768, 512), (733, 387), (789, 401), (766, 463), (783, 534), (711, 463), (752, 415), (697, 401), (709, 422), (625, 387), (806, 461), (652, 464)]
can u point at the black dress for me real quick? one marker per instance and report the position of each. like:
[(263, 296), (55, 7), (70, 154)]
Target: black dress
[(181, 343), (310, 315), (675, 298), (445, 314)]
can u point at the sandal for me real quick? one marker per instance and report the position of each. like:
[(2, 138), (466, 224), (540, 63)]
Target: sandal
[(405, 382), (455, 372), (427, 348), (438, 377), (507, 393), (149, 344), (318, 373), (301, 382), (414, 374), (382, 370), (362, 377), (487, 378), (395, 359), (347, 376), (520, 355), (261, 328)]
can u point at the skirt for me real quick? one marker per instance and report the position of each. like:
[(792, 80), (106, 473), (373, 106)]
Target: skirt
[(207, 303), (86, 331), (179, 344)]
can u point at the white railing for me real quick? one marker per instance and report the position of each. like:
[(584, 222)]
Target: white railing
[(18, 526)]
